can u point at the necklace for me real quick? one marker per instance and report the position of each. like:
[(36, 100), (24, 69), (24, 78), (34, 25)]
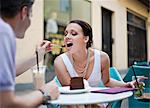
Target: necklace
[(81, 70)]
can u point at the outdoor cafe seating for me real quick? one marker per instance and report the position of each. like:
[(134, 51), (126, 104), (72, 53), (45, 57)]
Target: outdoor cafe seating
[(132, 102), (113, 74), (140, 69)]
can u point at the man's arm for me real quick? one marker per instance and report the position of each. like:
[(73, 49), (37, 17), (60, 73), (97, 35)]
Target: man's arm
[(27, 63), (8, 99)]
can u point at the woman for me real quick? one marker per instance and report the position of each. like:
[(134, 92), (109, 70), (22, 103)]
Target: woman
[(82, 60)]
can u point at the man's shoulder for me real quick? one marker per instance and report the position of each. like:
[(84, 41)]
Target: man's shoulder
[(5, 27)]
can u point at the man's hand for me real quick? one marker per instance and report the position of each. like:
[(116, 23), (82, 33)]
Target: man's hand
[(43, 48), (52, 89), (46, 45)]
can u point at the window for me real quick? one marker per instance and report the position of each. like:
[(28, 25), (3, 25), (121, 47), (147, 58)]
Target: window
[(57, 13), (137, 39)]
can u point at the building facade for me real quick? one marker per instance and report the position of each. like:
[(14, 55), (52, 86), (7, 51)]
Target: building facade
[(128, 24), (120, 27)]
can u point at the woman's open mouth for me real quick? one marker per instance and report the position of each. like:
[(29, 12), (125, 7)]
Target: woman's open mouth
[(69, 44)]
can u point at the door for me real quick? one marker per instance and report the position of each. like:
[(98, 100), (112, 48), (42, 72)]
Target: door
[(107, 32)]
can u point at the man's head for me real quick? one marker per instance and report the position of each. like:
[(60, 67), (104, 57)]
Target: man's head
[(17, 14)]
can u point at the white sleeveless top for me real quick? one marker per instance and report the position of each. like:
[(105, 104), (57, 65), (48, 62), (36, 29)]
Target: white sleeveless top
[(94, 79)]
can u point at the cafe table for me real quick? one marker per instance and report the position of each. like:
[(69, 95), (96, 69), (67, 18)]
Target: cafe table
[(89, 97)]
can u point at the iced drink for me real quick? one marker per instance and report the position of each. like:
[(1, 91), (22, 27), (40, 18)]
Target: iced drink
[(39, 76), (139, 88)]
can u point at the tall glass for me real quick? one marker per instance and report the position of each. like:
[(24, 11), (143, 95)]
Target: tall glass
[(38, 76), (139, 88)]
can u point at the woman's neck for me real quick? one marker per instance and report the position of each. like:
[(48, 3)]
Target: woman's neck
[(80, 57), (81, 62)]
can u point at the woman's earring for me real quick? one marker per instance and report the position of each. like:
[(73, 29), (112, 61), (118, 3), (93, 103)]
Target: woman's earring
[(86, 39)]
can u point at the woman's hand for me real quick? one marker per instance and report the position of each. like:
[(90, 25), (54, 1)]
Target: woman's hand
[(133, 83), (130, 84)]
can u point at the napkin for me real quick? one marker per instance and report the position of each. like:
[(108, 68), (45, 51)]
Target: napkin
[(114, 90)]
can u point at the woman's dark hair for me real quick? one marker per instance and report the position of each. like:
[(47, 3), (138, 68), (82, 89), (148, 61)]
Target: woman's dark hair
[(10, 8), (87, 30)]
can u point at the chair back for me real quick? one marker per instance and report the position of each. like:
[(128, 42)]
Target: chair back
[(57, 81), (115, 74), (139, 71), (142, 63)]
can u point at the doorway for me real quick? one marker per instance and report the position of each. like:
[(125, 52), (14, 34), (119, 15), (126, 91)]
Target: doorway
[(107, 40)]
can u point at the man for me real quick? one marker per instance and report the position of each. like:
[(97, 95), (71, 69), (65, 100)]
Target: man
[(14, 21)]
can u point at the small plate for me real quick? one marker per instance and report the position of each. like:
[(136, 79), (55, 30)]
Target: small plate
[(66, 90)]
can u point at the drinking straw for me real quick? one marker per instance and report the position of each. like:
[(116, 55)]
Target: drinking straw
[(136, 79), (37, 60)]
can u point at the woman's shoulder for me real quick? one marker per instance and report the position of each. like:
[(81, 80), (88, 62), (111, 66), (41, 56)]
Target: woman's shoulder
[(102, 53), (58, 59), (104, 57)]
